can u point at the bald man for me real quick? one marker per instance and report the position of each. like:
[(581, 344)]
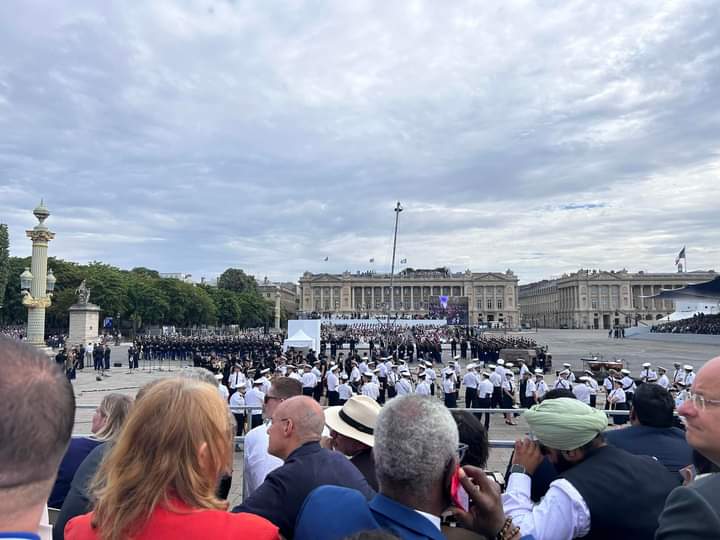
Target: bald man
[(294, 437), (693, 511)]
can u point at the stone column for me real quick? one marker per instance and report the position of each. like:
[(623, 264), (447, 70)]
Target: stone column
[(40, 236), (277, 309)]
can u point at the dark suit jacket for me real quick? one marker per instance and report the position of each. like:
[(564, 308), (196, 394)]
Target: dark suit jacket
[(77, 501), (667, 445), (280, 497), (692, 512), (365, 462), (332, 513)]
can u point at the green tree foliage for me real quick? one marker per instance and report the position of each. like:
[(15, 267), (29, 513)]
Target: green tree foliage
[(141, 297), (238, 281), (4, 260)]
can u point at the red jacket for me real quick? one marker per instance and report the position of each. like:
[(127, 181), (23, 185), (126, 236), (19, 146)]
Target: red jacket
[(197, 524)]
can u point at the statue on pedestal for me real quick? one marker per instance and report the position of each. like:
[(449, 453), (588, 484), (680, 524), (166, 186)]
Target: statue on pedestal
[(83, 293)]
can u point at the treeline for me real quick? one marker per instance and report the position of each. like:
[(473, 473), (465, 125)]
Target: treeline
[(140, 297)]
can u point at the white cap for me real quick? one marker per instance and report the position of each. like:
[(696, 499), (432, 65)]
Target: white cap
[(625, 371), (539, 372), (567, 365), (500, 362), (456, 357), (688, 367), (647, 364), (509, 365), (470, 366)]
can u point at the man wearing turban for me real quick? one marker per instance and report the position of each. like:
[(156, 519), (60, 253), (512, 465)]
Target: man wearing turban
[(601, 491)]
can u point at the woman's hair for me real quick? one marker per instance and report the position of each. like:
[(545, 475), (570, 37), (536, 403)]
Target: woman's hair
[(114, 408), (156, 457), (472, 432)]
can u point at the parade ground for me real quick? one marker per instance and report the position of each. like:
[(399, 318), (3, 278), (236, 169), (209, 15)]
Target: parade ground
[(564, 346)]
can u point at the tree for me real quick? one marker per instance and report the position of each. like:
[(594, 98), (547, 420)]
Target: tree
[(4, 261), (237, 280), (147, 272)]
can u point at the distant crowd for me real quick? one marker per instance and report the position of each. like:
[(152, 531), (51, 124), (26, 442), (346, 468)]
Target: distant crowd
[(698, 324)]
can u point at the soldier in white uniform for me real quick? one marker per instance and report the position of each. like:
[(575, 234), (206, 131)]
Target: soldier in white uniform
[(448, 386), (355, 376), (265, 380), (431, 376), (496, 378), (593, 385), (332, 386), (344, 390), (689, 376), (530, 390), (562, 381), (255, 398), (571, 375), (222, 389), (404, 386), (237, 377), (237, 404), (618, 402), (293, 374), (608, 385), (663, 380), (647, 374), (541, 386), (678, 374), (422, 388), (581, 390), (309, 381), (363, 367), (484, 396), (470, 382), (393, 378), (369, 388), (628, 385)]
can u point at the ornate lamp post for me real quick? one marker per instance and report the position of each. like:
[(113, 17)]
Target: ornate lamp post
[(37, 286)]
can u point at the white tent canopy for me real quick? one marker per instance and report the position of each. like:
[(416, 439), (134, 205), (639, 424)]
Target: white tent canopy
[(299, 340)]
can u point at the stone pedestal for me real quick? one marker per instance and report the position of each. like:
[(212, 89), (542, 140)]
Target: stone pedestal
[(84, 324)]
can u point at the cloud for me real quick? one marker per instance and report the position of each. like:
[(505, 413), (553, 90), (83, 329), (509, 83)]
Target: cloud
[(537, 136)]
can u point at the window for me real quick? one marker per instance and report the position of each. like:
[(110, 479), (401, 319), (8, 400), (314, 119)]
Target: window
[(499, 303), (489, 303)]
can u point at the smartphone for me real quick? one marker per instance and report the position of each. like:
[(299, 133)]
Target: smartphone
[(458, 495)]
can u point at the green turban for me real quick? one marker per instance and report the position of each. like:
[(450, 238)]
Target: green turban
[(565, 423)]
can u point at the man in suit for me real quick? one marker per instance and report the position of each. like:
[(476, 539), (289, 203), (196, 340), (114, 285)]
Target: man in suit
[(413, 489), (652, 432), (693, 511), (294, 437)]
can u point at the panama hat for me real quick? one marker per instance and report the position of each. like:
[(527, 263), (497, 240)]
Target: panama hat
[(356, 419)]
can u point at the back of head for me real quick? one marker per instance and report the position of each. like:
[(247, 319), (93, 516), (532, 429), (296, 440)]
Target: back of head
[(556, 393), (157, 456), (286, 387), (653, 406), (33, 434), (115, 409), (415, 439)]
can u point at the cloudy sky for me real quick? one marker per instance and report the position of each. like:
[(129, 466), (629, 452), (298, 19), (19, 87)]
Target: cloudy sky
[(190, 136)]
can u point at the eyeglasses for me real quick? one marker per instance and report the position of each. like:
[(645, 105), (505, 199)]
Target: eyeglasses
[(461, 451), (267, 398), (701, 402)]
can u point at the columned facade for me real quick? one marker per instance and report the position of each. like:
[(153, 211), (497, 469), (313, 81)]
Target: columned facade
[(492, 296), (601, 300)]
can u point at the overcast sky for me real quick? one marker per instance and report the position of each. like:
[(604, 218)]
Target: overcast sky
[(191, 136)]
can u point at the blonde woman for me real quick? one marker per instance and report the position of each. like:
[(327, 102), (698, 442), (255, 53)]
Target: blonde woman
[(109, 417), (159, 479)]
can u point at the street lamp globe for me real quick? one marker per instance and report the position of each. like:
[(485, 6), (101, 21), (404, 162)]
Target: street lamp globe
[(51, 279), (26, 280)]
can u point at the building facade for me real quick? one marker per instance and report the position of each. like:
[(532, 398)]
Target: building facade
[(287, 291), (492, 296), (601, 299)]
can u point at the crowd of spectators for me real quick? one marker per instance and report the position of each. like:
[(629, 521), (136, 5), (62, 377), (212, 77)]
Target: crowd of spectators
[(160, 465), (699, 323)]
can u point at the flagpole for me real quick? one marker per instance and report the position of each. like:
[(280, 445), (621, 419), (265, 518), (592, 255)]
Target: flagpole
[(397, 210)]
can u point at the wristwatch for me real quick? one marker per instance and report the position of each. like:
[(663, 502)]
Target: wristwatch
[(517, 468)]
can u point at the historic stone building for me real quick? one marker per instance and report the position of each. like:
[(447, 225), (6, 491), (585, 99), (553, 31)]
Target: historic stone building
[(492, 296), (287, 291), (600, 299)]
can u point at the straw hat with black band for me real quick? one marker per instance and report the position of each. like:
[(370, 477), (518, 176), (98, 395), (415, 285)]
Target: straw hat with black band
[(355, 420)]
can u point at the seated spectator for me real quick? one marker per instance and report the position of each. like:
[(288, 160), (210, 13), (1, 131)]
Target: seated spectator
[(416, 445), (651, 432), (161, 475), (257, 462), (295, 430), (109, 417), (352, 428), (602, 491), (33, 436), (693, 511)]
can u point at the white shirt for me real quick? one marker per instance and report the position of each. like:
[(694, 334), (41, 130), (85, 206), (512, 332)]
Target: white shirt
[(470, 380), (530, 388), (370, 389), (664, 381), (344, 391), (448, 386), (496, 379), (236, 379), (224, 392), (295, 375), (355, 374), (237, 400), (484, 389), (582, 392), (332, 382), (563, 383), (422, 389), (562, 514), (258, 463), (617, 396), (404, 387), (265, 384), (593, 386), (541, 388), (648, 373), (689, 379), (431, 375), (523, 370), (255, 398), (309, 380), (383, 369)]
